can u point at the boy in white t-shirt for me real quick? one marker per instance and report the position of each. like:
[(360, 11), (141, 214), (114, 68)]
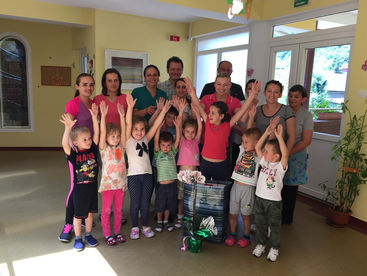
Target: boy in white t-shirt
[(268, 200)]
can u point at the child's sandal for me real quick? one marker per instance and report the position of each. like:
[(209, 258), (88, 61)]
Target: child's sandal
[(120, 238), (110, 240)]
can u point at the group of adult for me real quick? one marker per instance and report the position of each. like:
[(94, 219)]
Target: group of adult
[(296, 120)]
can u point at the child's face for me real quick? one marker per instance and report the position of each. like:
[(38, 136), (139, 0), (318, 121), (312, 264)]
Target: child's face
[(169, 119), (114, 139), (83, 141), (165, 146), (272, 93), (189, 132), (248, 143), (214, 116), (138, 131), (269, 154), (85, 86)]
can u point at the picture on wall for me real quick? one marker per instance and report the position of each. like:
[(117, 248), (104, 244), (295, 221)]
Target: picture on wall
[(129, 64)]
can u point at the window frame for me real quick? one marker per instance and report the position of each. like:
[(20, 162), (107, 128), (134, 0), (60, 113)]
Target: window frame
[(27, 47)]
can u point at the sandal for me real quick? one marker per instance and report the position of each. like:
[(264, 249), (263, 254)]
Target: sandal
[(178, 223), (120, 238), (110, 240)]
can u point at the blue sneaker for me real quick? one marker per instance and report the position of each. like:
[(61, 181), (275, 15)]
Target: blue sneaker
[(65, 235), (78, 245), (91, 241)]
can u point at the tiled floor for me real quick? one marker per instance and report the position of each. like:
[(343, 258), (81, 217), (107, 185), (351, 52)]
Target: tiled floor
[(33, 188)]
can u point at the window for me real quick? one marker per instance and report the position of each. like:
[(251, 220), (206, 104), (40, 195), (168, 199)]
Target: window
[(14, 84), (214, 49)]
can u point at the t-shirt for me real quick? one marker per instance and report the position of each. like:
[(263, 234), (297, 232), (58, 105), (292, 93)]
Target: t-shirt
[(83, 165), (270, 183), (246, 168), (235, 91), (304, 121), (262, 121), (216, 140), (166, 164), (231, 102), (80, 113), (189, 152), (167, 87), (113, 115), (138, 156), (113, 169), (145, 99)]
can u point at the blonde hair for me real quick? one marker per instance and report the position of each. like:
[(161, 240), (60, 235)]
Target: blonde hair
[(76, 131), (112, 128)]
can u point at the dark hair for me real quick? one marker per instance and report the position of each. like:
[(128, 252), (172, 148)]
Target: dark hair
[(112, 128), (223, 75), (299, 88), (278, 83), (172, 110), (249, 82), (190, 122), (151, 66), (220, 63), (139, 119), (78, 78), (222, 109), (104, 76), (174, 59), (165, 137), (180, 79), (75, 131), (274, 143), (253, 132)]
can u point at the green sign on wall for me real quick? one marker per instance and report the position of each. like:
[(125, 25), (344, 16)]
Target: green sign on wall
[(298, 3)]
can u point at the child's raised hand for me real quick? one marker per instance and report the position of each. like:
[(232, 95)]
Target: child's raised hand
[(120, 110), (190, 88), (130, 101), (182, 103), (175, 101), (160, 103), (279, 131), (167, 106), (255, 89), (67, 121), (252, 111), (103, 108), (94, 110)]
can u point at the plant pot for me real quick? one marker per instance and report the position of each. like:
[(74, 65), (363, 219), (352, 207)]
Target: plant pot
[(338, 219)]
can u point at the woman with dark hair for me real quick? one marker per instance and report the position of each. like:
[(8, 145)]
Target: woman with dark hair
[(297, 163), (111, 95)]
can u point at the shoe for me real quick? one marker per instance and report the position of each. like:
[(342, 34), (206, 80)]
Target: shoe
[(230, 240), (169, 227), (65, 235), (159, 227), (147, 232), (120, 238), (273, 254), (110, 240), (178, 223), (243, 242), (91, 241), (134, 233), (78, 245), (259, 250), (123, 220), (269, 232), (253, 228)]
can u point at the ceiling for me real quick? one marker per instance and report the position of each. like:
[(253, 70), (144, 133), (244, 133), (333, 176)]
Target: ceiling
[(149, 8)]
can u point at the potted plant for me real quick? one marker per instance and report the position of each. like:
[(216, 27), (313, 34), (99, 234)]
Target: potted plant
[(352, 170)]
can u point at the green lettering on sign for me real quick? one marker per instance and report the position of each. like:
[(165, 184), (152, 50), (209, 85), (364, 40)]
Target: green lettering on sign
[(298, 3)]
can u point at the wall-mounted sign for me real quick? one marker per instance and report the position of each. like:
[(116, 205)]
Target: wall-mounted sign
[(299, 3), (56, 75)]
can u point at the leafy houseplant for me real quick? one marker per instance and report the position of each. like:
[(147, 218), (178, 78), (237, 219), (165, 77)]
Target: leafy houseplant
[(352, 170)]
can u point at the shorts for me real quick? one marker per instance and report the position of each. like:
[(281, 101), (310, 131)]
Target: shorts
[(166, 197), (180, 189), (242, 199), (85, 199)]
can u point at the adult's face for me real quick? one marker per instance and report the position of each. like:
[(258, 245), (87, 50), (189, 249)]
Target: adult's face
[(151, 77), (272, 93), (181, 90), (222, 86), (295, 99), (112, 83), (175, 70), (225, 68)]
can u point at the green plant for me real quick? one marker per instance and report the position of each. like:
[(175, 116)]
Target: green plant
[(352, 170)]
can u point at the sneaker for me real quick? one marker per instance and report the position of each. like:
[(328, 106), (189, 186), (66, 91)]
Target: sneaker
[(65, 235), (273, 254), (134, 233), (230, 240), (78, 245), (159, 227), (147, 232), (111, 241), (178, 223), (259, 250), (243, 242), (169, 227), (91, 241), (269, 232)]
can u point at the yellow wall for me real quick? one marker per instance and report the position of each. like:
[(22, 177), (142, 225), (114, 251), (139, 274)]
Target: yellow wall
[(48, 101), (206, 26), (304, 25), (133, 33)]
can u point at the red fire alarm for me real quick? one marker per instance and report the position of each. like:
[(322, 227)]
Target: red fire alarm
[(174, 38)]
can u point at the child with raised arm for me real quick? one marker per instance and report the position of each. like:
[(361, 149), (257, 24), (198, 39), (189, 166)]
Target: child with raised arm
[(218, 126), (83, 164), (268, 200), (113, 184), (139, 176), (166, 191)]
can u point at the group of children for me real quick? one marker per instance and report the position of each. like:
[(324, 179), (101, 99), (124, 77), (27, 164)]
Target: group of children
[(133, 136)]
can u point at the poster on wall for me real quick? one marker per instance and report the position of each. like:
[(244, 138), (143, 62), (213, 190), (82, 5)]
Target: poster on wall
[(129, 64), (55, 75)]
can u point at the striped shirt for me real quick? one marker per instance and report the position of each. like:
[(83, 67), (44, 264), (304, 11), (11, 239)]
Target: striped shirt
[(166, 164)]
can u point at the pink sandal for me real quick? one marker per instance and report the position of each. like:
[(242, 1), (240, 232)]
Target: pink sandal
[(110, 240), (120, 238)]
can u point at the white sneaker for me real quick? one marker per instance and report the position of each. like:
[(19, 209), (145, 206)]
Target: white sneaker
[(134, 233), (259, 250), (273, 254), (147, 232)]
